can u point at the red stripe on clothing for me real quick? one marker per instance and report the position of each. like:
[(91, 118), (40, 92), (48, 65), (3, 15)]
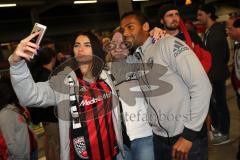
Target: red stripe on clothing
[(102, 123), (108, 116), (92, 130)]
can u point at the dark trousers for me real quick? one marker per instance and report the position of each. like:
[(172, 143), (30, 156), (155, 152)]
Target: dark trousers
[(163, 148), (218, 108), (238, 99)]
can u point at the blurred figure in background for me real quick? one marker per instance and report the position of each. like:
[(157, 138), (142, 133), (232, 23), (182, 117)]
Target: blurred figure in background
[(189, 24), (174, 25), (233, 31), (215, 40), (14, 121), (3, 148), (48, 43)]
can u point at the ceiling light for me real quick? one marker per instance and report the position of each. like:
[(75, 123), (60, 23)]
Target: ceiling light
[(139, 0), (8, 5), (188, 2), (85, 2)]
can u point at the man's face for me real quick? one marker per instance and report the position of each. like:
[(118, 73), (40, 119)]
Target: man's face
[(202, 17), (233, 33), (171, 20), (133, 30)]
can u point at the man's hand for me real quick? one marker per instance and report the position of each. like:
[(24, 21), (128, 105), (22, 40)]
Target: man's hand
[(181, 149)]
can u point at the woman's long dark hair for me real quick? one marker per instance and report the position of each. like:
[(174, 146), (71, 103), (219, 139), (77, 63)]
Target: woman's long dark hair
[(98, 53)]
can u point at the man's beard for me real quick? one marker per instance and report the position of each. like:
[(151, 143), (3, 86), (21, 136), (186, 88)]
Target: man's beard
[(172, 28), (133, 46)]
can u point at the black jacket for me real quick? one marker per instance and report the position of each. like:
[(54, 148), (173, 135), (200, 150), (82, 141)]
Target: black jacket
[(215, 40), (47, 114)]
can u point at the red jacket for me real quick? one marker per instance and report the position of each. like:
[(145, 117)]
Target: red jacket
[(203, 55), (3, 148)]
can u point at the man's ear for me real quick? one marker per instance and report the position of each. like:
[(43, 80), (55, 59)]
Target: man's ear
[(161, 21), (146, 26)]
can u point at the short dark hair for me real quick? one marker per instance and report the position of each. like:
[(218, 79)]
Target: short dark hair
[(47, 41), (97, 48), (45, 55), (207, 8), (139, 16), (165, 8)]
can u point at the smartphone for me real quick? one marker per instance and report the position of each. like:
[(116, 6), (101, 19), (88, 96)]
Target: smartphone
[(36, 28)]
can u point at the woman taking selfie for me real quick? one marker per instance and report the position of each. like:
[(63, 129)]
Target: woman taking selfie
[(87, 107)]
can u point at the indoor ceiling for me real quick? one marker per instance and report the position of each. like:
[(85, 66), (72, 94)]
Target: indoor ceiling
[(63, 17)]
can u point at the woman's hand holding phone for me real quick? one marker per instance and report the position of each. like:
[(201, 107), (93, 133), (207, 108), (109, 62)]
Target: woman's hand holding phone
[(25, 49)]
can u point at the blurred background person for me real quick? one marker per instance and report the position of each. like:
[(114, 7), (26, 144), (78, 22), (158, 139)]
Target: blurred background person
[(14, 124), (48, 43), (3, 148), (174, 25), (189, 24), (215, 40), (233, 31)]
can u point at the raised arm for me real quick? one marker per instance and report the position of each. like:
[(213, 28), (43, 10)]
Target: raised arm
[(29, 93)]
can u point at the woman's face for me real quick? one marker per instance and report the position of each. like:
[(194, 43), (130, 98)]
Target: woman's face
[(82, 46), (83, 53), (119, 49)]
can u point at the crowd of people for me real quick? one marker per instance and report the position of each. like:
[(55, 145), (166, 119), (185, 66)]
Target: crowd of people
[(142, 94)]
